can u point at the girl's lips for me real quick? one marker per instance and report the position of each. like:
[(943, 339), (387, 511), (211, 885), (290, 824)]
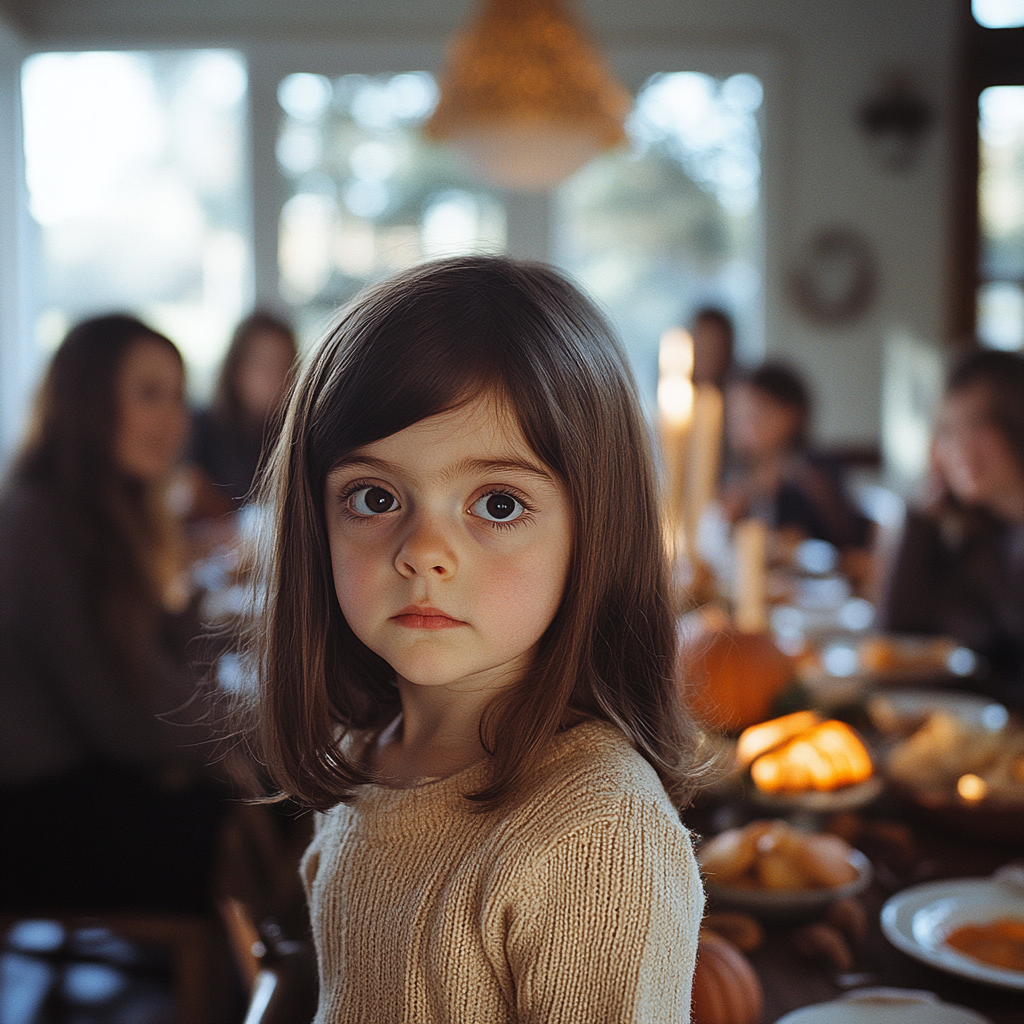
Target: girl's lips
[(426, 618)]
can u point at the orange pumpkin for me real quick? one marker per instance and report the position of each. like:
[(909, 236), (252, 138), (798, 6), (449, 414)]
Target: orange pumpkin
[(730, 678), (725, 988)]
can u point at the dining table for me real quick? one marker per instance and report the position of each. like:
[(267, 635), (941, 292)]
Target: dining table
[(905, 851)]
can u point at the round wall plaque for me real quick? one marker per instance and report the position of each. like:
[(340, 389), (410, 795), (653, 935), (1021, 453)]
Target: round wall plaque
[(835, 280)]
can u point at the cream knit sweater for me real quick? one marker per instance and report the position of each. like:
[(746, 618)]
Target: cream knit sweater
[(581, 904)]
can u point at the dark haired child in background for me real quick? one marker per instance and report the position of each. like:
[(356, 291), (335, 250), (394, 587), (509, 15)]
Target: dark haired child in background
[(774, 475)]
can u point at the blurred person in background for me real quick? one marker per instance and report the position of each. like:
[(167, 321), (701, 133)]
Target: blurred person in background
[(773, 475), (229, 437), (713, 341), (104, 790), (959, 568)]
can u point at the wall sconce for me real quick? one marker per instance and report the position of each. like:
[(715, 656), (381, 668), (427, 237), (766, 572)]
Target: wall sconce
[(526, 98), (896, 121)]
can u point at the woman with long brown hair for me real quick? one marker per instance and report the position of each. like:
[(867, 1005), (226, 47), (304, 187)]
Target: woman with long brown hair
[(106, 802), (229, 437), (959, 569)]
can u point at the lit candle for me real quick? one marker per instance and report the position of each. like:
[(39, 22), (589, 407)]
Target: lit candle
[(704, 453), (750, 540), (675, 413)]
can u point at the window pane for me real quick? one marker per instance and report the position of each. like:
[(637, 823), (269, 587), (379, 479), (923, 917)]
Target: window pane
[(1001, 214), (674, 223), (998, 13), (367, 194), (136, 175)]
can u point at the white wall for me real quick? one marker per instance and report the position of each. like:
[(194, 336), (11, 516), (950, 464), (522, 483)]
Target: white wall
[(820, 172)]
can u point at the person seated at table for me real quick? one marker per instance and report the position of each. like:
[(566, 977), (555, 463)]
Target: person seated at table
[(106, 799), (229, 437), (959, 567), (713, 339), (773, 474)]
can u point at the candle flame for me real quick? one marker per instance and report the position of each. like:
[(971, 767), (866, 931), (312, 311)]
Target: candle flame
[(675, 400), (675, 353)]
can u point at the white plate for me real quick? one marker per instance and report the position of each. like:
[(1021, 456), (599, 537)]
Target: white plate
[(911, 707), (883, 1006), (918, 919), (780, 904)]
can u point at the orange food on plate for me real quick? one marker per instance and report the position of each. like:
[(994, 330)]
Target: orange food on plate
[(999, 943), (824, 758), (759, 739)]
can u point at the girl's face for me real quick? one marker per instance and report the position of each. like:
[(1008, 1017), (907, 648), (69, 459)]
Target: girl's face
[(450, 543), (971, 454), (152, 419)]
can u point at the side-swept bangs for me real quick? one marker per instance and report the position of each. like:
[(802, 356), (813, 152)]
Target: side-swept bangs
[(418, 345)]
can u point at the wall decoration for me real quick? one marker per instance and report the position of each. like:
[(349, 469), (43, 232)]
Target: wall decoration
[(835, 281), (896, 121)]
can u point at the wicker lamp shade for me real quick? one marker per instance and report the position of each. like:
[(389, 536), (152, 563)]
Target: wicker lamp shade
[(525, 96)]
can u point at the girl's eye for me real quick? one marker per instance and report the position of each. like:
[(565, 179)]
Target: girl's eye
[(498, 507), (372, 501)]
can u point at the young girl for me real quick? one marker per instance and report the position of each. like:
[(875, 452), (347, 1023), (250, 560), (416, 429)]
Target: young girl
[(466, 662)]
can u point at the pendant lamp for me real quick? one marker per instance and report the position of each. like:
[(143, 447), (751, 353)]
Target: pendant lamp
[(525, 97)]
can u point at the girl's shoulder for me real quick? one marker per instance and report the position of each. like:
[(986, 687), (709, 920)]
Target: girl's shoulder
[(593, 772)]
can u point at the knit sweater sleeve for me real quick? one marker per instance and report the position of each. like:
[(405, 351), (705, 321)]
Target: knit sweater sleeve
[(605, 925)]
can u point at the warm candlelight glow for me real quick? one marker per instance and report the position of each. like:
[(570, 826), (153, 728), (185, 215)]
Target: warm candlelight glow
[(675, 353), (972, 787), (675, 400), (750, 540)]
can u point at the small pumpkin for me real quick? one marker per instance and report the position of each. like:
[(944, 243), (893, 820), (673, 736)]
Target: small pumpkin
[(726, 990), (730, 678)]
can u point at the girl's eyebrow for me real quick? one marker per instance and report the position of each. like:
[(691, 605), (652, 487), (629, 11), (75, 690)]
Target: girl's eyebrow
[(503, 465)]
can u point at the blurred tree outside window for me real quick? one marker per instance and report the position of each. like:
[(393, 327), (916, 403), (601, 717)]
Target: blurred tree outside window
[(367, 194), (1001, 217), (136, 164)]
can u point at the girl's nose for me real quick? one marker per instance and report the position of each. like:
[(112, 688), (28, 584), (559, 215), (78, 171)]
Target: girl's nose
[(426, 552)]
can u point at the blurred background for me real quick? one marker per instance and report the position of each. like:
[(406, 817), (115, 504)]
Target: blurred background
[(844, 179), (798, 216)]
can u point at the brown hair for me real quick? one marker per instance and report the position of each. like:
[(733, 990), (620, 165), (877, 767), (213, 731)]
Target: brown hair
[(420, 344), (1001, 376), (112, 525)]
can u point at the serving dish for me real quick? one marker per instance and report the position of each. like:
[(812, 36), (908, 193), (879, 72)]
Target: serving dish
[(846, 798), (917, 921), (895, 711), (882, 1006), (790, 904)]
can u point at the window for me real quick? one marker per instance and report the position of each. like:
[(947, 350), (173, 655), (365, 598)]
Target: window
[(367, 194), (674, 222), (1001, 216), (135, 164)]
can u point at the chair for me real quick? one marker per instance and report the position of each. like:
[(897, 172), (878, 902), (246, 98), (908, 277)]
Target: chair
[(281, 973)]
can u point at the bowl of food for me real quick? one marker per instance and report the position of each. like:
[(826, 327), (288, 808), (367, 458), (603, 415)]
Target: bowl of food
[(963, 772), (776, 872)]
